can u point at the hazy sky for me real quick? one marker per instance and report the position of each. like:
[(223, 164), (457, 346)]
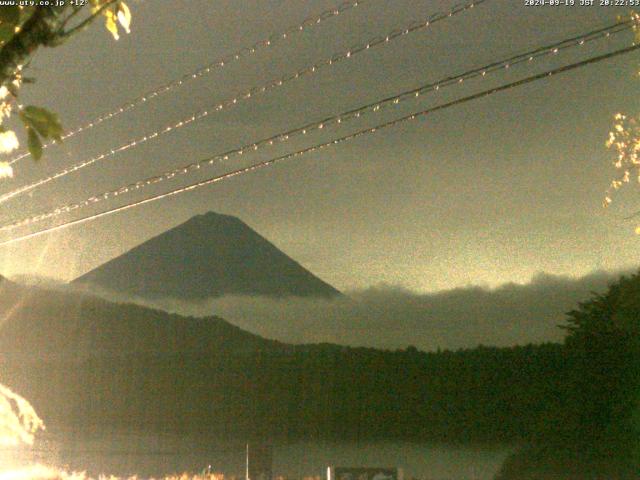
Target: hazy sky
[(485, 193)]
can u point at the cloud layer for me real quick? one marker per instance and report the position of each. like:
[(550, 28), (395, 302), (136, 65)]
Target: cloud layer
[(390, 317)]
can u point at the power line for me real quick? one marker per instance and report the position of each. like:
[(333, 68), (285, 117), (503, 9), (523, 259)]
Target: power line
[(251, 93), (219, 63), (367, 131), (336, 120)]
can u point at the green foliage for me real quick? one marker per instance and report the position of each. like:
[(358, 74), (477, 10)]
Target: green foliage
[(604, 338), (596, 431), (44, 122), (12, 17), (23, 29), (40, 124), (34, 144)]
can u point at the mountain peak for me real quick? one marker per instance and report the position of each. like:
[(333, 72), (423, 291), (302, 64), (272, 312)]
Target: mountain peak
[(210, 220), (209, 255), (214, 217)]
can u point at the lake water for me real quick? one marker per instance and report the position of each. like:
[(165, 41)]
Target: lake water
[(161, 455)]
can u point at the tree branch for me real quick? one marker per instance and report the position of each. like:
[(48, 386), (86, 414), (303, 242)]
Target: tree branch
[(89, 19), (38, 30)]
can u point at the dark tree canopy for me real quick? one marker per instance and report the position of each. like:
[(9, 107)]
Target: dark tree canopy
[(595, 431), (23, 30)]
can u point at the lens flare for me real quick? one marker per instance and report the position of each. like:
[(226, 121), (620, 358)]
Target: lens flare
[(40, 472), (18, 420)]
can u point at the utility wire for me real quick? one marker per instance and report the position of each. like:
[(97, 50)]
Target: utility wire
[(251, 93), (336, 120), (321, 146), (219, 63)]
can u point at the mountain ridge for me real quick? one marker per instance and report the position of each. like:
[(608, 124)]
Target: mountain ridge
[(209, 255), (42, 323), (88, 364)]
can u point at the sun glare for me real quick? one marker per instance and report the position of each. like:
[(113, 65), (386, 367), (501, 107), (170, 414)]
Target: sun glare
[(18, 419)]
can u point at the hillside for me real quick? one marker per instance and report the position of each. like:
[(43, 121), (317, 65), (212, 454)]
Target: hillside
[(49, 324), (208, 256), (88, 364)]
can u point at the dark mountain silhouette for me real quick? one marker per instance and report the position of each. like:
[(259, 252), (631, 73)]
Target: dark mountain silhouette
[(47, 324), (89, 364), (208, 256)]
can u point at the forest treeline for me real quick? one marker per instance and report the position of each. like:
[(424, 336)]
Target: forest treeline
[(319, 392), (93, 366)]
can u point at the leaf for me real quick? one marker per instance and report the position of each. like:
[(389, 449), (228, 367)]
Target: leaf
[(13, 89), (34, 144), (10, 15), (95, 6), (26, 11), (110, 23), (8, 141), (5, 170), (44, 122), (6, 33), (124, 16)]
